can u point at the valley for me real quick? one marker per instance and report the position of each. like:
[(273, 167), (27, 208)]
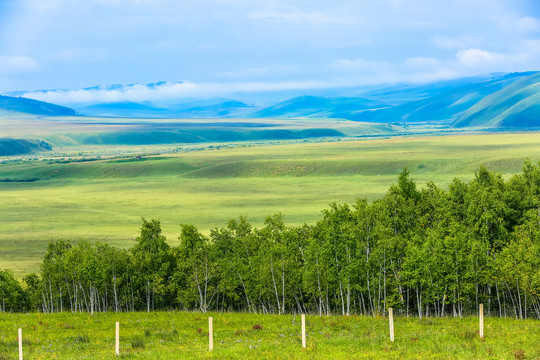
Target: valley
[(105, 198)]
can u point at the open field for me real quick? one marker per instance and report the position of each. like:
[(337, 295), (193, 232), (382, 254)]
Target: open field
[(73, 133), (173, 335), (105, 199)]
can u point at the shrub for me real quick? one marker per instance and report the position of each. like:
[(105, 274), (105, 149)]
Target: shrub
[(137, 343), (82, 338)]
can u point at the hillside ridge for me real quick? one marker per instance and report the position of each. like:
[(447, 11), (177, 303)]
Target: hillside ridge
[(34, 107)]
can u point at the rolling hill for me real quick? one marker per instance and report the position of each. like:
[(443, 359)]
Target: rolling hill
[(125, 108), (516, 106), (21, 146), (202, 108), (444, 106), (200, 135), (438, 102), (23, 105), (508, 101), (318, 106), (213, 108)]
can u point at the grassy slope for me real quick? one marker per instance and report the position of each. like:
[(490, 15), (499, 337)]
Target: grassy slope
[(210, 108), (173, 335), (31, 106), (82, 131), (104, 200), (20, 146), (515, 106), (171, 136), (439, 105), (317, 106)]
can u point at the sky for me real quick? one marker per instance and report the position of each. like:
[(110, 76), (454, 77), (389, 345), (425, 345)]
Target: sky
[(219, 47)]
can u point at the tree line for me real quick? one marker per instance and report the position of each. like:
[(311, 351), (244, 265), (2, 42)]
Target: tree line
[(424, 252)]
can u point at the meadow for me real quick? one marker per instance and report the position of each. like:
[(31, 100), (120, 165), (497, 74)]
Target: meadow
[(168, 335), (70, 134), (104, 200)]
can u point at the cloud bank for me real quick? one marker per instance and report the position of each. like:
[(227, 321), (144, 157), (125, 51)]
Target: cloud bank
[(10, 64), (222, 46), (162, 92), (339, 73)]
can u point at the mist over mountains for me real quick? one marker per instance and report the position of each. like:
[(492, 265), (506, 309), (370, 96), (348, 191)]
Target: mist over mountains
[(507, 101)]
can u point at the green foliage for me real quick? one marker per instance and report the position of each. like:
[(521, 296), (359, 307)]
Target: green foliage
[(153, 264), (33, 290), (12, 296), (82, 338), (197, 270), (71, 199), (426, 252), (137, 343)]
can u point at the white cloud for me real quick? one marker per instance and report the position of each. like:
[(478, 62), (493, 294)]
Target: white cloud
[(43, 5), (258, 44), (422, 62), (430, 75), (297, 16), (314, 18), (350, 63), (17, 64), (531, 46), (474, 57), (412, 70), (261, 72), (461, 42), (524, 56), (79, 54), (528, 24), (163, 92)]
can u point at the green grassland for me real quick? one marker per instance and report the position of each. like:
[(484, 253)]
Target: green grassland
[(71, 133), (104, 200), (173, 335)]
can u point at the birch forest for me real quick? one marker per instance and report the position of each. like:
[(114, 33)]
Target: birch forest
[(424, 251)]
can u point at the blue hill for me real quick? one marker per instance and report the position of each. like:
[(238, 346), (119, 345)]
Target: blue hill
[(22, 146), (211, 108), (443, 105), (439, 102), (516, 106), (34, 107), (318, 106)]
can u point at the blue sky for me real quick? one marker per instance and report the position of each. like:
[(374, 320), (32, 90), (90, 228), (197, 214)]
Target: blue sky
[(216, 47)]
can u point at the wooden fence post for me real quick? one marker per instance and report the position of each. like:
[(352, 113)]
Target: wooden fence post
[(303, 330), (391, 321), (210, 334), (117, 346), (20, 344), (481, 313)]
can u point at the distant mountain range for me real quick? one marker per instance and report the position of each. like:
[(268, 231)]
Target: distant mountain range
[(495, 101), (441, 102), (443, 105), (212, 108), (318, 106)]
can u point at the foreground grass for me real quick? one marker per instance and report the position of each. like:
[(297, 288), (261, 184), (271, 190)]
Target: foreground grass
[(173, 335), (105, 200)]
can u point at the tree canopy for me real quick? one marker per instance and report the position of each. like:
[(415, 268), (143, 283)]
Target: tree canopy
[(423, 251)]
